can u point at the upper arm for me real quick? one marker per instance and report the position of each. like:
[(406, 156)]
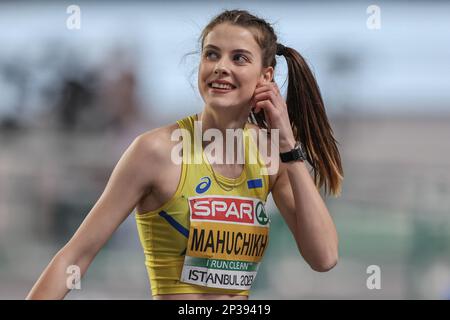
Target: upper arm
[(283, 197), (131, 178)]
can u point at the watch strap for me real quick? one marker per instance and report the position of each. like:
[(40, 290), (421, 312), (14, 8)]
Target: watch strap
[(294, 154)]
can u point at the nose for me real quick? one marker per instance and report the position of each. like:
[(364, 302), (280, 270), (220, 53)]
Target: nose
[(220, 68)]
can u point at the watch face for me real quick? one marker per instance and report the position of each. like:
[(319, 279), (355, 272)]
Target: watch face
[(299, 153)]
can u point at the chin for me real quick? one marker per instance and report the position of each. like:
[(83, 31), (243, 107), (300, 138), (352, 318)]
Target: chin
[(220, 106), (223, 104)]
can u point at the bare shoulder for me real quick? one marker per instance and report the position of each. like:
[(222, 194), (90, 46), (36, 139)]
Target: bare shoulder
[(163, 173), (157, 143), (153, 151)]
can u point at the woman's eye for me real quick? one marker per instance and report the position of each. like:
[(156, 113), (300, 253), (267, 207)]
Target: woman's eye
[(212, 55), (244, 59), (208, 54)]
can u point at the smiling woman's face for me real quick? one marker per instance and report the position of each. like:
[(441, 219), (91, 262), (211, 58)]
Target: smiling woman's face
[(230, 53)]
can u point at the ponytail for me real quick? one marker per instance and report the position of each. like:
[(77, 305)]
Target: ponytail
[(306, 110), (310, 124)]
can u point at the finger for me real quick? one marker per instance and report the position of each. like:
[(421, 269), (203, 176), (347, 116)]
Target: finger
[(266, 105), (267, 87), (277, 90), (266, 95), (270, 95), (262, 88)]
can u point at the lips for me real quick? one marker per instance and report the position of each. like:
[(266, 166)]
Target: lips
[(221, 85), (221, 89)]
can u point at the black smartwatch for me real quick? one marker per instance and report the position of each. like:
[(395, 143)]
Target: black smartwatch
[(295, 154)]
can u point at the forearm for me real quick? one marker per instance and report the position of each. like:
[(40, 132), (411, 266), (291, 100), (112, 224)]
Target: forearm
[(52, 284), (316, 232)]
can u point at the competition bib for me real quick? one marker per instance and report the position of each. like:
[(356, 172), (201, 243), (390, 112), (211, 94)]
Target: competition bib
[(227, 239)]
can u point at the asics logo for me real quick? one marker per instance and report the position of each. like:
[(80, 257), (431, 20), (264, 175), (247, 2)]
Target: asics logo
[(204, 185)]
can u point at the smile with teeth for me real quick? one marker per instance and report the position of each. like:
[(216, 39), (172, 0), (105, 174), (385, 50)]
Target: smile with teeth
[(221, 86)]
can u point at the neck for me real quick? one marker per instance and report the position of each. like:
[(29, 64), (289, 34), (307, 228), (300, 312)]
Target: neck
[(211, 119), (222, 120)]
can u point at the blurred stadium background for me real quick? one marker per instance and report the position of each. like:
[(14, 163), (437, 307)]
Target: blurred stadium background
[(71, 101)]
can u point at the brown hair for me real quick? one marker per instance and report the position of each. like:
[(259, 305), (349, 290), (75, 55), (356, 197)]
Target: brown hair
[(304, 102)]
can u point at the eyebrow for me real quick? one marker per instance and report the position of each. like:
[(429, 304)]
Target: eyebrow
[(235, 50)]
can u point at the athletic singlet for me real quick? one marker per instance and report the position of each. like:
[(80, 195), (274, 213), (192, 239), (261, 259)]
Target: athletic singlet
[(211, 235)]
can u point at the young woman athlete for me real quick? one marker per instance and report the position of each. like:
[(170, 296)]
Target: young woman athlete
[(202, 224)]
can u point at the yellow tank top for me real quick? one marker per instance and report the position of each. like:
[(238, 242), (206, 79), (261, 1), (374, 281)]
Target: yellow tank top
[(211, 235)]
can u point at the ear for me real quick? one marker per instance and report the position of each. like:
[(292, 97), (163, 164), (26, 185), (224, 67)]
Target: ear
[(267, 75)]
